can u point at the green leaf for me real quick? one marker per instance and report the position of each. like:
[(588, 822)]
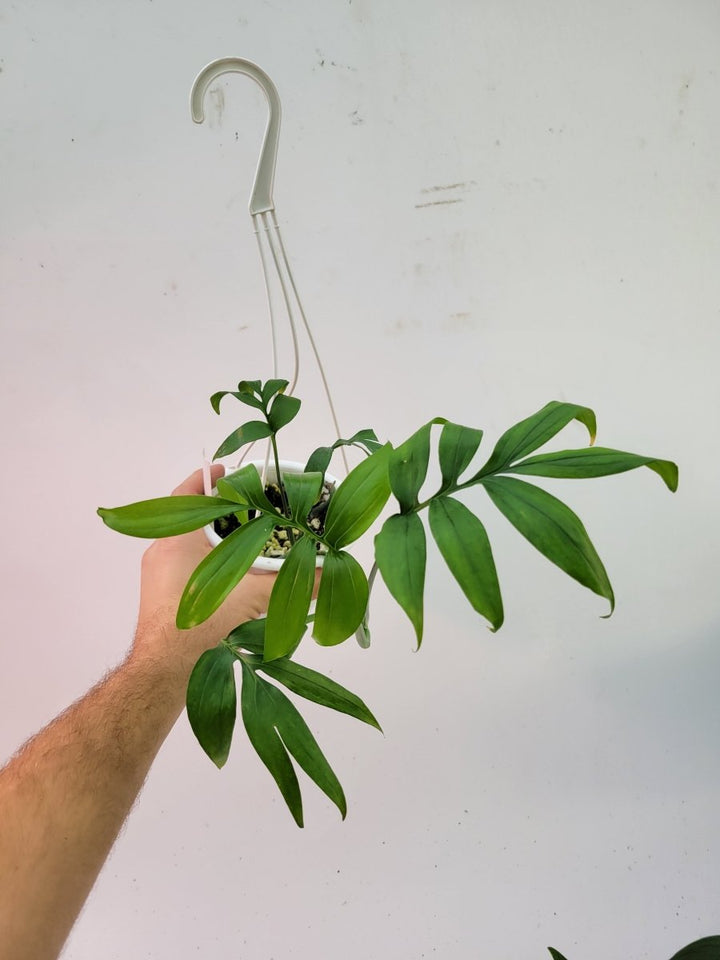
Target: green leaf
[(342, 599), (465, 547), (165, 516), (706, 949), (221, 570), (594, 462), (367, 438), (358, 500), (408, 466), (320, 458), (245, 486), (258, 715), (533, 432), (275, 728), (555, 954), (247, 398), (400, 553), (553, 529), (303, 491), (290, 599), (249, 386), (303, 746), (320, 689), (272, 387), (212, 702), (247, 433), (283, 410), (456, 449), (248, 636)]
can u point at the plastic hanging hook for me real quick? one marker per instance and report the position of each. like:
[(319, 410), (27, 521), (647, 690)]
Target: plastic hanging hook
[(261, 199)]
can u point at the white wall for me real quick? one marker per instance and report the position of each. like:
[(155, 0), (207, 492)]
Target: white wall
[(556, 783)]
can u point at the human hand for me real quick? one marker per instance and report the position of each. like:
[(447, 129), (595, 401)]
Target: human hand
[(166, 568)]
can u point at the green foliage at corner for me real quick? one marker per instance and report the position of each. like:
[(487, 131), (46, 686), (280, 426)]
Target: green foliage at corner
[(706, 949)]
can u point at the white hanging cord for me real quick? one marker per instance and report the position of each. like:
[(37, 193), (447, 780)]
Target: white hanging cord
[(273, 330), (310, 336), (288, 303)]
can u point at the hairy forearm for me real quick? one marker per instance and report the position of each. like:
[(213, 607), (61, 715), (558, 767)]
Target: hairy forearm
[(65, 797)]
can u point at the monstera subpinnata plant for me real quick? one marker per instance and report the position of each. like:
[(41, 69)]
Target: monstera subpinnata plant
[(312, 520)]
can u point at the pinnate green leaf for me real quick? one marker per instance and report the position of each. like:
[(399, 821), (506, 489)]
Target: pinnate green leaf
[(248, 636), (594, 462), (366, 438), (166, 516), (247, 433), (283, 410), (220, 571), (342, 598), (457, 446), (553, 529), (212, 702), (320, 458), (245, 486), (290, 599), (408, 466), (303, 491), (277, 718), (465, 547), (249, 386), (304, 748), (270, 388), (400, 553), (247, 398), (358, 500), (320, 689), (533, 432), (259, 719)]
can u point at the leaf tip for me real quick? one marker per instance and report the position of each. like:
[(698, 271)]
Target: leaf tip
[(611, 599), (495, 625), (184, 620)]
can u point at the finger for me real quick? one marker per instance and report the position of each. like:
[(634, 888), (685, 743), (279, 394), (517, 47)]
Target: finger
[(194, 483)]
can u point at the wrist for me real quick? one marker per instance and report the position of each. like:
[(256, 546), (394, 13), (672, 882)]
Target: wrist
[(169, 654)]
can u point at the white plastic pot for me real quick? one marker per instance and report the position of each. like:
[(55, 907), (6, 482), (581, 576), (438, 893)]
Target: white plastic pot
[(268, 564)]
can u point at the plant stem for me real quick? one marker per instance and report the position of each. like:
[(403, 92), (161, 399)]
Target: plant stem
[(371, 580), (283, 497), (453, 488)]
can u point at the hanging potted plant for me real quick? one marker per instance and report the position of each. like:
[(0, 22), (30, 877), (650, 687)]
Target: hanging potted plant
[(304, 514), (317, 522)]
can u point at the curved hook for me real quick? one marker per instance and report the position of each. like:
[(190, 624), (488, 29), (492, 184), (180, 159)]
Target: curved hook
[(261, 197)]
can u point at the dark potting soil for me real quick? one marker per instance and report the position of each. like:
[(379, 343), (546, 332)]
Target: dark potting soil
[(279, 543)]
